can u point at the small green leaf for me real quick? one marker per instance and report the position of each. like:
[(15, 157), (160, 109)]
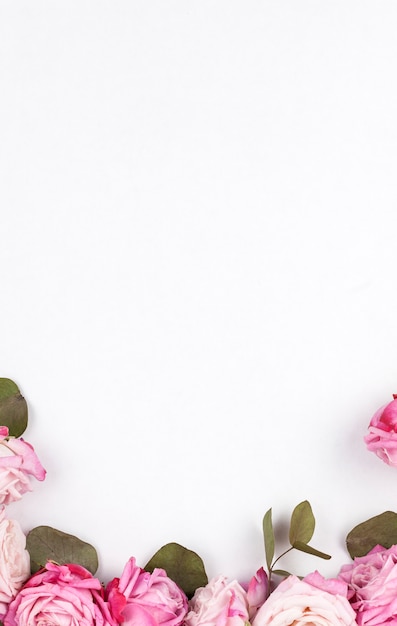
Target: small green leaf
[(48, 544), (281, 572), (13, 408), (302, 523), (268, 535), (303, 547), (183, 566), (381, 529)]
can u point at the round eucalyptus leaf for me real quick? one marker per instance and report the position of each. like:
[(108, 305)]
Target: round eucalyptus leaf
[(381, 529), (48, 544), (183, 566), (302, 523), (13, 408)]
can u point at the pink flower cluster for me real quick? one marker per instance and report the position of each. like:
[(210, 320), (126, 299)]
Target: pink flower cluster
[(364, 593), (18, 464)]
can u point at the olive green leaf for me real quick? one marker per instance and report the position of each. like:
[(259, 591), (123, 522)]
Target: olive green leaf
[(303, 547), (281, 572), (183, 566), (13, 408), (268, 535), (381, 529), (48, 544), (302, 524)]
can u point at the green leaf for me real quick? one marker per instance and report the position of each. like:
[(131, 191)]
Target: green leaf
[(303, 547), (13, 408), (381, 529), (281, 572), (48, 544), (268, 535), (302, 523), (183, 566)]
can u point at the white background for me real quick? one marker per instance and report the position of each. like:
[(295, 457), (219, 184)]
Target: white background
[(198, 266)]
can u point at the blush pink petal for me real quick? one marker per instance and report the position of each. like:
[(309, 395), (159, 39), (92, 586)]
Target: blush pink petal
[(257, 592)]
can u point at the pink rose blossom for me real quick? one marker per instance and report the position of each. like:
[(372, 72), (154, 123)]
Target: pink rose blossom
[(313, 600), (14, 560), (149, 599), (220, 603), (372, 582), (18, 462), (67, 595), (382, 435)]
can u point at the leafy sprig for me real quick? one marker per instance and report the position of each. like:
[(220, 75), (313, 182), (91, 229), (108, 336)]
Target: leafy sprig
[(301, 531)]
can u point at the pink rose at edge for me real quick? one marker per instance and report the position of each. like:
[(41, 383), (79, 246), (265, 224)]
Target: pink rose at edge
[(372, 584), (382, 433), (309, 601), (18, 462), (60, 594), (147, 598), (14, 560)]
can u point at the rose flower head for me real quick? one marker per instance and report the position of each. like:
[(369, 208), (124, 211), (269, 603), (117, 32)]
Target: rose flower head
[(382, 433), (313, 600), (66, 595), (219, 603), (145, 598), (14, 560), (18, 462), (372, 582)]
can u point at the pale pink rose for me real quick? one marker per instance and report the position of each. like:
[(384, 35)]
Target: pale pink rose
[(18, 462), (149, 599), (372, 582), (14, 560), (382, 433), (220, 603), (313, 600), (66, 595)]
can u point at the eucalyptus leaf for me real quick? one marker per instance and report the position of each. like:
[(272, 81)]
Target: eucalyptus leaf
[(268, 535), (13, 408), (183, 566), (381, 529), (281, 572), (303, 547), (48, 544), (302, 523)]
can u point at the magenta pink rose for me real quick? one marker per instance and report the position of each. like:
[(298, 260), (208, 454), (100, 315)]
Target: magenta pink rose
[(382, 433), (219, 603), (149, 599), (14, 560), (18, 462), (60, 594), (313, 600), (372, 582)]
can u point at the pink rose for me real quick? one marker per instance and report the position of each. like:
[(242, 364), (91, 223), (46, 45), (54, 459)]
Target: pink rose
[(312, 600), (60, 594), (14, 561), (220, 603), (18, 462), (382, 435), (150, 599), (372, 581)]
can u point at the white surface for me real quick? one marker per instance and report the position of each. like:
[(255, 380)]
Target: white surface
[(198, 226)]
